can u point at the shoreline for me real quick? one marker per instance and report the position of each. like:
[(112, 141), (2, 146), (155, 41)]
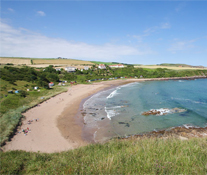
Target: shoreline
[(60, 126)]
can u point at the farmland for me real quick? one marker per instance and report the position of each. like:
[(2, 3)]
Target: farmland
[(15, 61), (168, 67), (43, 62), (61, 62), (34, 62)]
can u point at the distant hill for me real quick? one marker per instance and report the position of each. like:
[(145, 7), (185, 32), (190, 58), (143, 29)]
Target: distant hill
[(171, 64), (180, 65)]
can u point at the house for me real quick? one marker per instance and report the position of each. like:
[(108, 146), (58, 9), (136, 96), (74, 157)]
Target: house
[(116, 66), (86, 68), (70, 69), (102, 66), (58, 69)]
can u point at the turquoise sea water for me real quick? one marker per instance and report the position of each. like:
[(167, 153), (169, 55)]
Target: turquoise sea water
[(118, 111)]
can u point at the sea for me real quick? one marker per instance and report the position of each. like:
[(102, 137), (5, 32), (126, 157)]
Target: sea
[(118, 112)]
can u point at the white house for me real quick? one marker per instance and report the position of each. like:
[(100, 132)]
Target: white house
[(102, 66), (58, 69), (86, 68), (116, 66), (70, 69)]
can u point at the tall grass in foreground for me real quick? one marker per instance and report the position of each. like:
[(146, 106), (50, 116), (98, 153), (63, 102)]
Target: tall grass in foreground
[(135, 156), (12, 118)]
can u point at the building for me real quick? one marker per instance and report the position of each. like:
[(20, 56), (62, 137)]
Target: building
[(58, 69), (51, 84), (102, 66), (116, 66), (86, 68), (70, 69)]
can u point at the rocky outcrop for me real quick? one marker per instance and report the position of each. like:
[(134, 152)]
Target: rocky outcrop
[(163, 111)]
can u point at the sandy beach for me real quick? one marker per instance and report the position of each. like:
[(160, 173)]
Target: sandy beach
[(58, 127)]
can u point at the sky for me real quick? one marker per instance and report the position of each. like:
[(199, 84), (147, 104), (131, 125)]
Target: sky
[(133, 32)]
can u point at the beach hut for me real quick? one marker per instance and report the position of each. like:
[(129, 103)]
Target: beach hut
[(10, 92), (51, 84), (17, 91), (36, 87)]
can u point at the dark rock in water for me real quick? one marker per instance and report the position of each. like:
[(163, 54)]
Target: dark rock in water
[(93, 114), (83, 113), (102, 118), (122, 123)]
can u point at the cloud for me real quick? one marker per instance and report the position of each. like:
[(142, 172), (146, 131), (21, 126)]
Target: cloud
[(11, 10), (181, 45), (138, 37), (180, 6), (41, 13), (149, 31), (24, 43), (165, 26)]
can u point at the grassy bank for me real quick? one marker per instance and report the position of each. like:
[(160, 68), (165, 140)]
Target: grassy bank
[(12, 106), (135, 156)]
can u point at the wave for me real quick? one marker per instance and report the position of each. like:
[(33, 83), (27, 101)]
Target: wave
[(111, 95), (129, 84), (111, 111)]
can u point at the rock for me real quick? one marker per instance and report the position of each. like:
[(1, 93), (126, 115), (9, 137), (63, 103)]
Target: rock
[(163, 111)]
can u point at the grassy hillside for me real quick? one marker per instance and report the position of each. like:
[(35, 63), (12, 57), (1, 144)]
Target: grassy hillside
[(12, 105), (134, 156), (175, 65)]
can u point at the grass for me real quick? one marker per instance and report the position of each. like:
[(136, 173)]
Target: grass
[(134, 156)]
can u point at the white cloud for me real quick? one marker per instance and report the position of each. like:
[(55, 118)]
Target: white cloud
[(150, 31), (11, 10), (41, 13), (24, 43), (165, 26), (181, 45), (138, 37), (180, 6)]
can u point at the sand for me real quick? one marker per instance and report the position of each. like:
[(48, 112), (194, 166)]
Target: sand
[(58, 127)]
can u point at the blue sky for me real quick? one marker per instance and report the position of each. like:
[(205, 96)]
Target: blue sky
[(150, 32)]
